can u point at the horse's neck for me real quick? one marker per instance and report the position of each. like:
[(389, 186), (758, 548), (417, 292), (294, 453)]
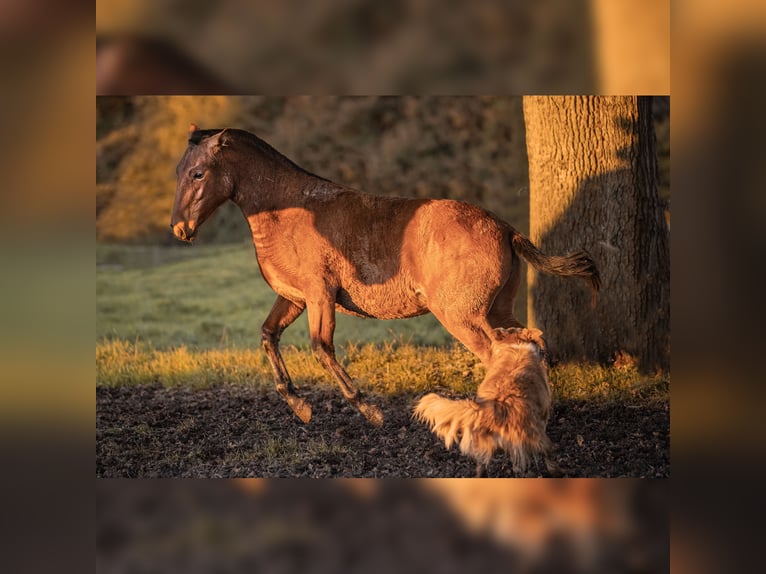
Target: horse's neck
[(265, 185), (266, 191)]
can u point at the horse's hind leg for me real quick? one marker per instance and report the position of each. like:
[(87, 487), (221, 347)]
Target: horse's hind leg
[(471, 330), (322, 329), (282, 314), (501, 313), (462, 297)]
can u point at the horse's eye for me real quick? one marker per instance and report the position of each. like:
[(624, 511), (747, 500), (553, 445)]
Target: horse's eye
[(198, 175)]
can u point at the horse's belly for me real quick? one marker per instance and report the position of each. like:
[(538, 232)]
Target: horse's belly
[(387, 301)]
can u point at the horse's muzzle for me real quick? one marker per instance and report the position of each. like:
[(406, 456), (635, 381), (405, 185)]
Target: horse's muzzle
[(185, 231)]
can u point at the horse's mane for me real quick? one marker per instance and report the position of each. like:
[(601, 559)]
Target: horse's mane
[(197, 136)]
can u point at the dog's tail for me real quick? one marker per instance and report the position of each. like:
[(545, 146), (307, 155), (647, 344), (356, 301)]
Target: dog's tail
[(577, 264), (483, 426)]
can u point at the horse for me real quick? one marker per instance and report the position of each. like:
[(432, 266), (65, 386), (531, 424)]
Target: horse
[(325, 248)]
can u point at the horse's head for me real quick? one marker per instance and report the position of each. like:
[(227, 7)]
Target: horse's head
[(202, 182)]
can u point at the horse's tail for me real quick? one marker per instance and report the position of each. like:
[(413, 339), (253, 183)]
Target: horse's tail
[(481, 427), (577, 264)]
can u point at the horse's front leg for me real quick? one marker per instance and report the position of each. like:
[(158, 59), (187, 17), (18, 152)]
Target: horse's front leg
[(282, 314), (322, 329)]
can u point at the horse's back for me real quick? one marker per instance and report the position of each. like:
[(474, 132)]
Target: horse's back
[(396, 257)]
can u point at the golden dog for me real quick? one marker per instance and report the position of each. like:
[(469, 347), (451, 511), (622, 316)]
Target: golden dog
[(511, 408)]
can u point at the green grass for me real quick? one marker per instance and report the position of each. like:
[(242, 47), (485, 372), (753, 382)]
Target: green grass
[(211, 296)]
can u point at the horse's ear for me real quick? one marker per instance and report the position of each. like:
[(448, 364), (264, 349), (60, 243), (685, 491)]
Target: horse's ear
[(194, 139), (220, 140)]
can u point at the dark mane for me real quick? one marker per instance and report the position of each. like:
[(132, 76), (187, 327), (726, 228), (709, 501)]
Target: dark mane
[(197, 136)]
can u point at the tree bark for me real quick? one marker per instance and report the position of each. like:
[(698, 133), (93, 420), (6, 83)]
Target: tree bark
[(593, 184)]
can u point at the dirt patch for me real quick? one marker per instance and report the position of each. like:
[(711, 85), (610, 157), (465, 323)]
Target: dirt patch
[(239, 431)]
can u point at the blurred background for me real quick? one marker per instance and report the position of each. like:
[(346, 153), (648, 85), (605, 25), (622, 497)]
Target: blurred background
[(371, 526), (400, 46)]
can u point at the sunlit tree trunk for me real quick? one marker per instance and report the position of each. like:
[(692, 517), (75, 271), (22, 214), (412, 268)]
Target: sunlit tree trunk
[(593, 185)]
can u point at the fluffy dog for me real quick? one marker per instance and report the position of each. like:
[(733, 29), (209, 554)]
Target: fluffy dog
[(511, 408)]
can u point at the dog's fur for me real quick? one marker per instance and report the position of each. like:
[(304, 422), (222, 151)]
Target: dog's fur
[(510, 411)]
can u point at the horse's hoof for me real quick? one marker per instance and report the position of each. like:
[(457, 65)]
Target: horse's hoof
[(372, 414), (301, 409)]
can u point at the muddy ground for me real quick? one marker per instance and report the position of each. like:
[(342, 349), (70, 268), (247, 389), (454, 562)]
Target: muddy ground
[(239, 431)]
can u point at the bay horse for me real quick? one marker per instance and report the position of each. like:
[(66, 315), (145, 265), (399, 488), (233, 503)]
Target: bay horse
[(327, 248)]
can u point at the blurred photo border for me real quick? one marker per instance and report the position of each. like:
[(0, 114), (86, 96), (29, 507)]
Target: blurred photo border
[(717, 57)]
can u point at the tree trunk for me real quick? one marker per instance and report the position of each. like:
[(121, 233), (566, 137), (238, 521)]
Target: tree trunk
[(593, 184)]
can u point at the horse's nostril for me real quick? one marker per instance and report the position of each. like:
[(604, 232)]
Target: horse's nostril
[(179, 231)]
